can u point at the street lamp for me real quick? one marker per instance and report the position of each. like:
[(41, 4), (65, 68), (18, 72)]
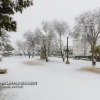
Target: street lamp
[(67, 62)]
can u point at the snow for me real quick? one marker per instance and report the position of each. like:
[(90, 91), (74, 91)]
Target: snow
[(16, 0), (55, 79), (13, 1)]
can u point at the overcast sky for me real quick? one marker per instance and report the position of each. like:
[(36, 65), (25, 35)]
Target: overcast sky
[(65, 10)]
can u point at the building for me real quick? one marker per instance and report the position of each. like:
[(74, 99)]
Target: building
[(80, 49)]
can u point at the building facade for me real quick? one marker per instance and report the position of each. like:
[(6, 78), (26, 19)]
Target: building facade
[(80, 49)]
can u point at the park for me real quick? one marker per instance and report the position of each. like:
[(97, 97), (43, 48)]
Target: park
[(55, 79), (49, 50)]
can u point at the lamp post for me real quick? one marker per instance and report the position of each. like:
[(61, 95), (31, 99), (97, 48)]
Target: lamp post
[(67, 62)]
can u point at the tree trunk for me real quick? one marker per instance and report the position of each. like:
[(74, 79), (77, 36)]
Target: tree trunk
[(42, 55), (62, 56), (49, 50), (60, 41), (29, 54), (93, 55), (7, 53), (61, 49), (96, 56), (46, 55), (24, 53), (99, 56)]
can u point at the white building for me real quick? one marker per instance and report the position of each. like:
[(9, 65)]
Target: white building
[(82, 50)]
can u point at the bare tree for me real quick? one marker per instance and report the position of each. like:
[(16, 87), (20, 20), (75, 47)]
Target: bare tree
[(40, 42), (30, 41), (24, 48), (47, 36), (28, 47), (19, 45), (88, 28), (48, 28), (38, 36), (61, 28)]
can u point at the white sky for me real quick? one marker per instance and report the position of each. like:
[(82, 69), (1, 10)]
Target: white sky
[(65, 10)]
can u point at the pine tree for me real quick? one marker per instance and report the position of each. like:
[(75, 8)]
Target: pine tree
[(8, 8)]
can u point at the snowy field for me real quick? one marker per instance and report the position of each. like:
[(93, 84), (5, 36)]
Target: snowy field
[(55, 79)]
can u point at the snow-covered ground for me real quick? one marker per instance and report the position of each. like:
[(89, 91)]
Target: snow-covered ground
[(55, 79)]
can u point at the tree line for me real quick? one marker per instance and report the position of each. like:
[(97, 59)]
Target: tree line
[(86, 28), (46, 37)]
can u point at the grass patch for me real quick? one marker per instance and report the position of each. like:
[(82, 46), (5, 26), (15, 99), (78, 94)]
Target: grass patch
[(32, 63), (93, 70), (3, 71), (49, 60)]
